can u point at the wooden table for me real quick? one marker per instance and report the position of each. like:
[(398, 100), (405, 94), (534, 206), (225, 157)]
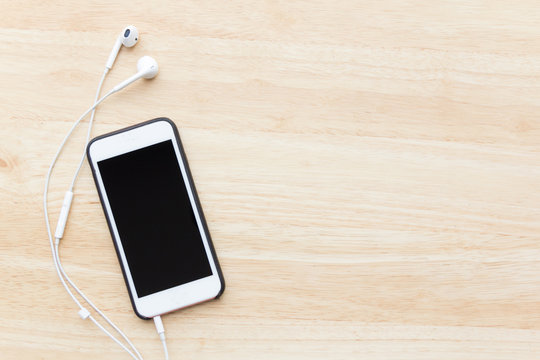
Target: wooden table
[(369, 172)]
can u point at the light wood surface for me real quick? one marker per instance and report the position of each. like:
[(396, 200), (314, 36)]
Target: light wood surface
[(369, 171)]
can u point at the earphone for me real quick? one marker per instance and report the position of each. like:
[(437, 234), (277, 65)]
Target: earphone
[(128, 38), (147, 68)]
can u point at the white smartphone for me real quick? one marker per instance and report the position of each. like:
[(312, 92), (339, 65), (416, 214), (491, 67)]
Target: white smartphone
[(155, 218)]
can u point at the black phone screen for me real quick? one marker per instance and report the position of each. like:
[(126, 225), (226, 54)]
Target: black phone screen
[(154, 218)]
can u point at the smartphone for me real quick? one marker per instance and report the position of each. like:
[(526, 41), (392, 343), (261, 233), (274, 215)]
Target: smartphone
[(155, 218)]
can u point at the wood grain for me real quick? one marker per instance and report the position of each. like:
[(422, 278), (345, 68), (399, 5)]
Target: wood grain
[(369, 171)]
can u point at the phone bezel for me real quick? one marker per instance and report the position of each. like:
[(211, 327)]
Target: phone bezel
[(130, 139)]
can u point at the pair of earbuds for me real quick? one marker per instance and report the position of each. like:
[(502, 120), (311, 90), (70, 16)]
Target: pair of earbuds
[(147, 67)]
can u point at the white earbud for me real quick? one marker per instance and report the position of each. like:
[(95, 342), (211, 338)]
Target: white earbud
[(128, 38), (147, 68)]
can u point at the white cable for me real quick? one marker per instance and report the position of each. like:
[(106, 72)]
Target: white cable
[(161, 332), (58, 267), (138, 357), (47, 179), (90, 123), (84, 313), (164, 342), (112, 337)]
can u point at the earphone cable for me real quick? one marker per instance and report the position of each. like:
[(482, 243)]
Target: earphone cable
[(112, 337), (59, 270), (75, 175), (83, 313), (164, 342), (88, 133), (67, 278), (161, 332), (146, 68)]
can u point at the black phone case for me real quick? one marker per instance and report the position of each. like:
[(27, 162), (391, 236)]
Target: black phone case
[(192, 185)]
